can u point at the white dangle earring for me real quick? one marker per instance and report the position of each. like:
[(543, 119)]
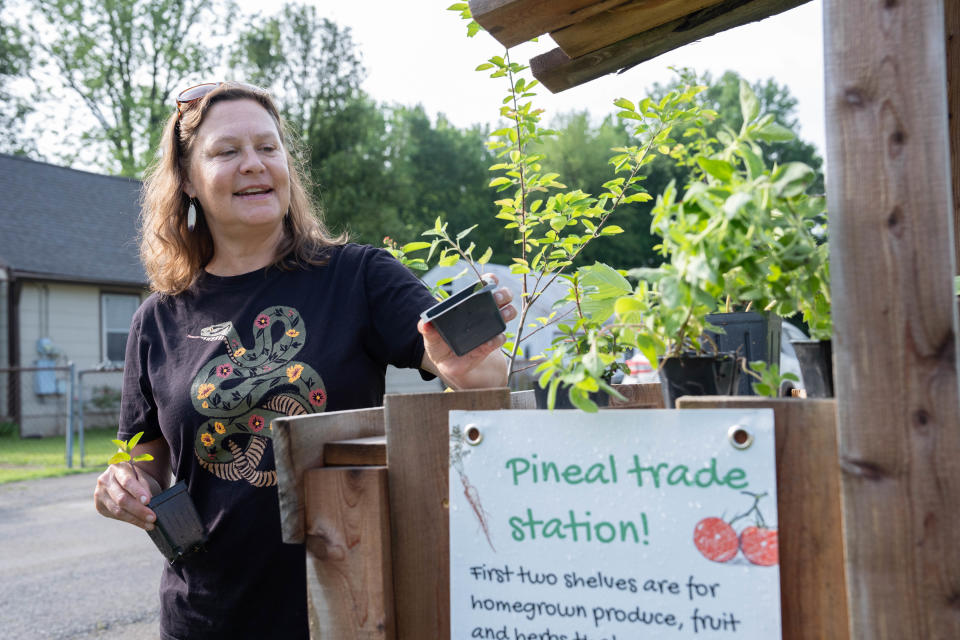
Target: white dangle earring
[(191, 215)]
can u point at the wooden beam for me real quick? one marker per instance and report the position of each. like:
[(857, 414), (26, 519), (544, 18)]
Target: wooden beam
[(298, 444), (895, 328), (558, 72), (514, 21), (622, 22), (349, 577), (812, 590), (951, 14), (361, 452), (418, 452)]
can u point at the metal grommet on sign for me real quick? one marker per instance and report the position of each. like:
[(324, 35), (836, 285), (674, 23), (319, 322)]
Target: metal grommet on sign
[(473, 434), (739, 437)]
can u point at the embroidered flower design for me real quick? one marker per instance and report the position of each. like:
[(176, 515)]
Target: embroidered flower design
[(318, 397), (256, 423), (239, 352), (293, 373), (204, 390), (262, 321), (206, 439), (205, 405), (267, 367), (290, 313), (224, 370), (219, 428), (293, 333)]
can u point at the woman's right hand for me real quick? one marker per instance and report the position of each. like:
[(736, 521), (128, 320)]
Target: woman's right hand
[(123, 495)]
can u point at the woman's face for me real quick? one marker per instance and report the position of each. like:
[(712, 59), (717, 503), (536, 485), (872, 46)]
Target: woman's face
[(238, 170)]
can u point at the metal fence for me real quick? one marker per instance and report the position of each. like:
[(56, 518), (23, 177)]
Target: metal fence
[(58, 400)]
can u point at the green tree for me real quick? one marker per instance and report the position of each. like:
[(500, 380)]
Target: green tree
[(309, 64), (723, 96), (15, 63), (443, 172), (125, 60)]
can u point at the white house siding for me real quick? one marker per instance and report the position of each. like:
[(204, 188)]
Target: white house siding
[(69, 315)]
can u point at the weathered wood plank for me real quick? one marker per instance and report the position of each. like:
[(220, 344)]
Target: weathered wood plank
[(812, 589), (638, 396), (895, 341), (298, 445), (514, 21), (349, 576), (557, 71), (623, 21), (418, 454), (360, 452), (951, 15), (523, 400)]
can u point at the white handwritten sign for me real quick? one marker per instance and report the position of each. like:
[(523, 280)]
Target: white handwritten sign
[(613, 526)]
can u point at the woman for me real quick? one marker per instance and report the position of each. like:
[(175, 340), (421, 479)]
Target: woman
[(257, 313)]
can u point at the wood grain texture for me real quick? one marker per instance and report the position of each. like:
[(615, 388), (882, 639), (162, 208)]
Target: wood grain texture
[(638, 396), (623, 21), (895, 346), (349, 577), (558, 72), (812, 588), (298, 445), (418, 462), (951, 19), (523, 400), (514, 21), (360, 452)]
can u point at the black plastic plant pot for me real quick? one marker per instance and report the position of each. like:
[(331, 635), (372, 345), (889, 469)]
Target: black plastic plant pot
[(600, 398), (689, 375), (178, 530), (750, 335), (467, 319), (816, 366)]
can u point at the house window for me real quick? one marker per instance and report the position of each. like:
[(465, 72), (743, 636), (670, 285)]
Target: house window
[(116, 311)]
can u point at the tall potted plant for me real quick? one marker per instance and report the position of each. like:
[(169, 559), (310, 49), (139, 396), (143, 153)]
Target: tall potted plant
[(552, 224), (740, 236)]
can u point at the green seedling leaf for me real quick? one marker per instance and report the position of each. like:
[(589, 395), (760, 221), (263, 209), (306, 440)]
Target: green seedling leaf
[(119, 456), (133, 441)]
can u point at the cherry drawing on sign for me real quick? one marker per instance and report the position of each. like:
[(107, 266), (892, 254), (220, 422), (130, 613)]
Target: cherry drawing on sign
[(718, 541)]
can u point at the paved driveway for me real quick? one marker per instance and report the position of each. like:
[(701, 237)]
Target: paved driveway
[(67, 572)]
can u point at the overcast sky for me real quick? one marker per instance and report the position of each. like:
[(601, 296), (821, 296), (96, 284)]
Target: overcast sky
[(417, 52)]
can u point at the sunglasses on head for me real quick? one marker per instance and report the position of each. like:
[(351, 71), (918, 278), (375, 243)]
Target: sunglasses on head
[(193, 94)]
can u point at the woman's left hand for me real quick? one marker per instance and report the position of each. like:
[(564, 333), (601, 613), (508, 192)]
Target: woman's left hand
[(484, 367)]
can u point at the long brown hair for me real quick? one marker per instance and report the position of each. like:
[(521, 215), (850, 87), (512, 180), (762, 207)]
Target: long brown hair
[(174, 256)]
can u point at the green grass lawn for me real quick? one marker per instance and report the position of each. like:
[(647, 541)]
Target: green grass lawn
[(25, 459)]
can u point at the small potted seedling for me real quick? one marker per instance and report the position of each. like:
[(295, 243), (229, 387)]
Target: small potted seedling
[(178, 530)]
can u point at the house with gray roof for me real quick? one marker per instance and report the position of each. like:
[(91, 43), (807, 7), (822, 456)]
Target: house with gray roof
[(70, 280)]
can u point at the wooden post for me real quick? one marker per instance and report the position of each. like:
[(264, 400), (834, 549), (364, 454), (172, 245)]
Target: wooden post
[(298, 446), (812, 593), (418, 461), (895, 328), (951, 18), (348, 561)]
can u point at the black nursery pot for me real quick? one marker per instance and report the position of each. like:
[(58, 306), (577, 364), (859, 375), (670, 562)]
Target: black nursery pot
[(751, 335), (600, 398), (816, 366), (467, 319), (178, 530), (712, 375)]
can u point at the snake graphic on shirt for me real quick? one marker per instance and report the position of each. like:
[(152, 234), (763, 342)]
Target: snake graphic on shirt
[(242, 391)]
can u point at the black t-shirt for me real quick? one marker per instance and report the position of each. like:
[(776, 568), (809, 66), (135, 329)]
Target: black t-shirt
[(209, 369)]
